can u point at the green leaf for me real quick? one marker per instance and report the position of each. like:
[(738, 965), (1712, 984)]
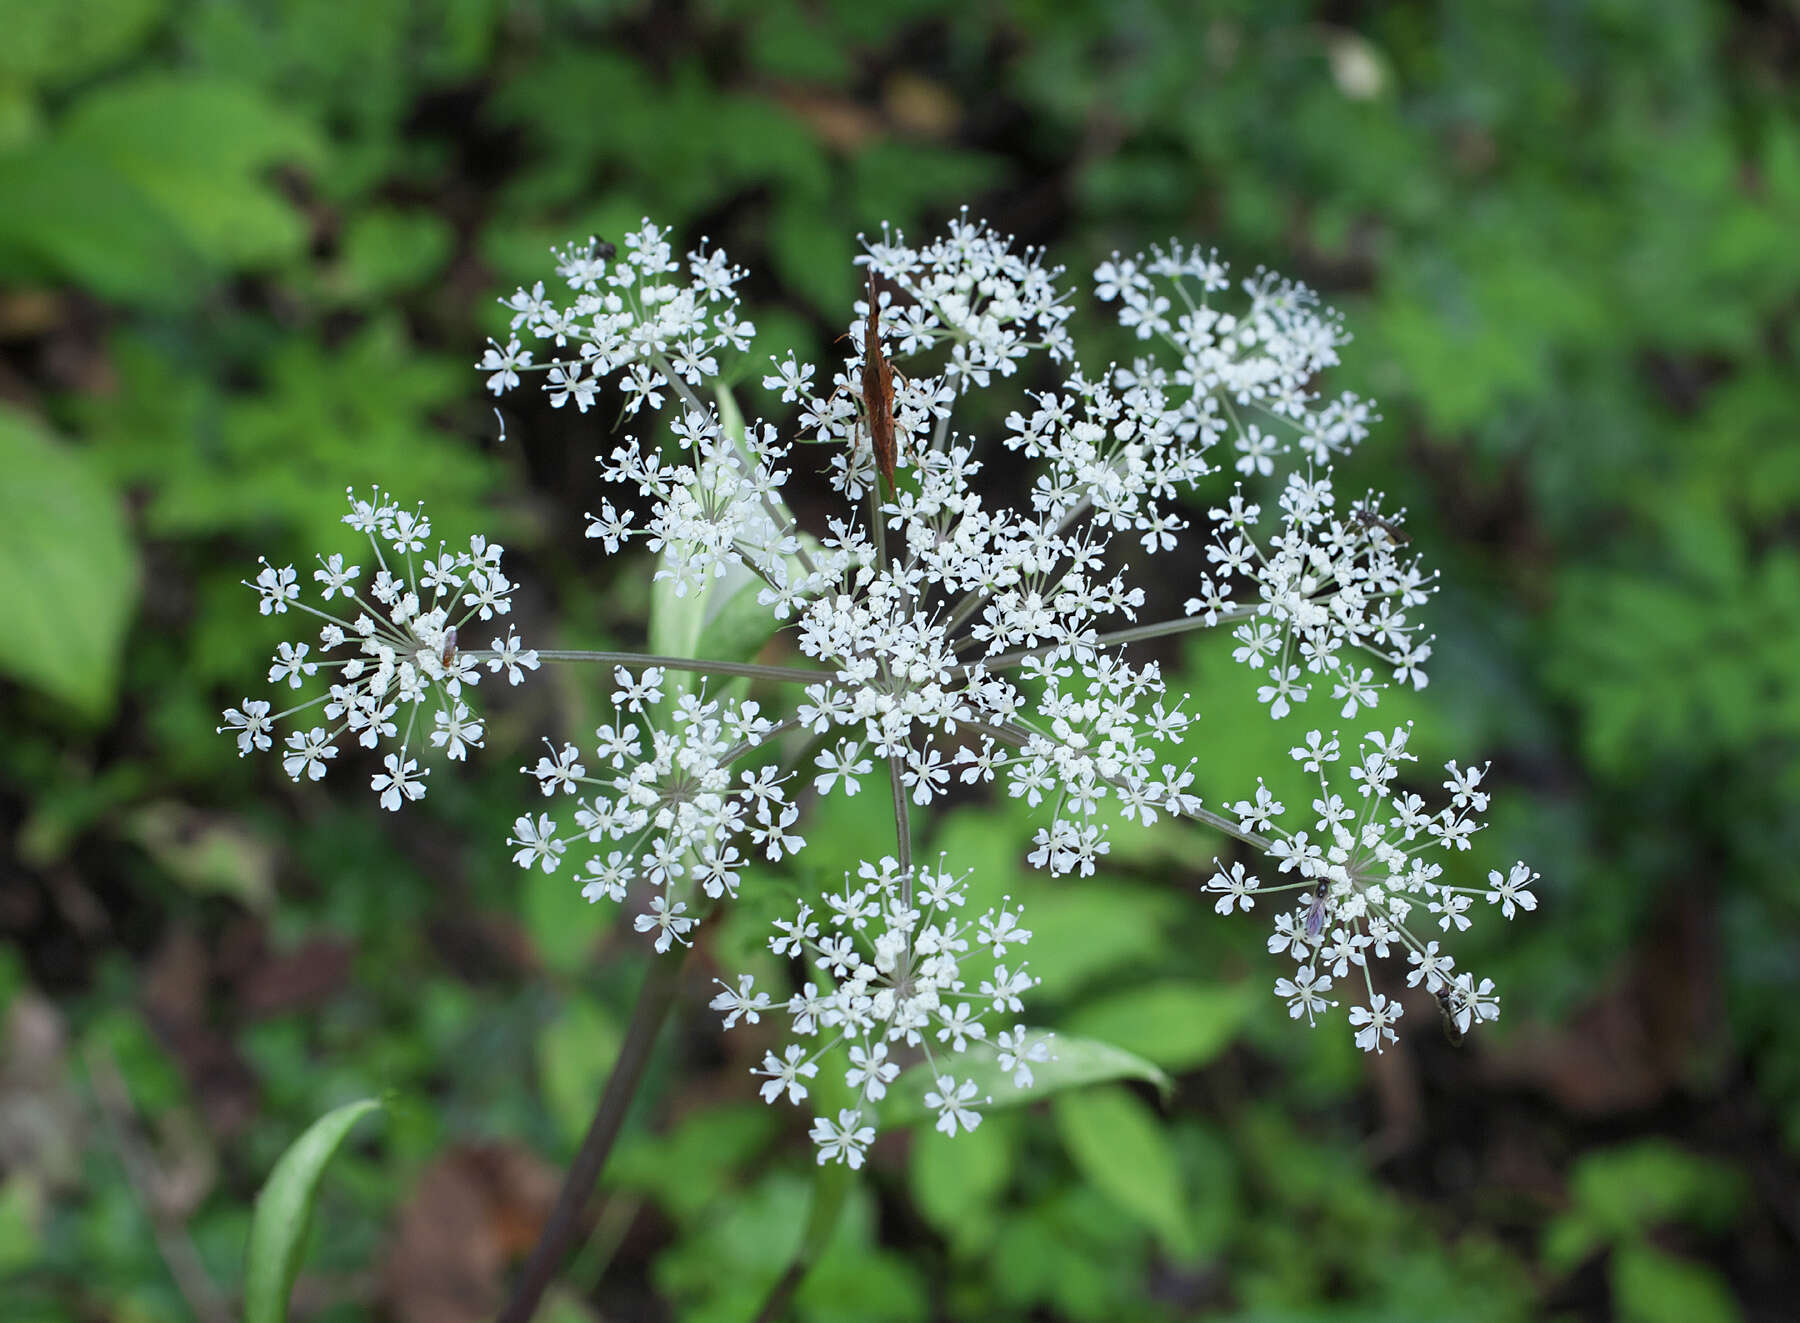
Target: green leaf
[(206, 853), (199, 147), (1652, 1287), (1118, 1144), (675, 621), (60, 42), (690, 1167), (1081, 931), (283, 1213), (831, 1182), (1635, 1186), (1176, 1024), (722, 620), (386, 250), (1074, 1063), (73, 578), (71, 216), (560, 920), (21, 1221), (957, 1180)]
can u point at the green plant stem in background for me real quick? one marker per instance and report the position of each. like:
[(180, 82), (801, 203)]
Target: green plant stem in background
[(830, 1187), (563, 1229)]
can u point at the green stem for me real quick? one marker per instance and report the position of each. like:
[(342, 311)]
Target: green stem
[(829, 1190), (1019, 739), (703, 666), (567, 1220), (1136, 634)]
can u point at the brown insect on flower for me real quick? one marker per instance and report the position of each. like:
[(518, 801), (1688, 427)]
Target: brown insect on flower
[(449, 652), (878, 392)]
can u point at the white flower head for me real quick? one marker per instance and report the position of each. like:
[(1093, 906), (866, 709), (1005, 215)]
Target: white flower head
[(949, 641), (392, 648), (1365, 883)]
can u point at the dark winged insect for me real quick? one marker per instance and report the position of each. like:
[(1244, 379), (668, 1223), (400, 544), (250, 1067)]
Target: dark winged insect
[(604, 250), (1447, 1008), (1369, 519), (1315, 917)]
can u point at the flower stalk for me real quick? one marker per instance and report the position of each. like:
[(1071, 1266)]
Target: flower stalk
[(569, 1218)]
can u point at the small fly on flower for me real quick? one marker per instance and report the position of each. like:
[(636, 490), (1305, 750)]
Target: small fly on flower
[(449, 652), (1369, 519), (1447, 1009), (1315, 917)]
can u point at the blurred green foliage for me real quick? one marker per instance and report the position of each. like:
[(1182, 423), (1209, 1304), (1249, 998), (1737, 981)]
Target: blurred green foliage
[(248, 252)]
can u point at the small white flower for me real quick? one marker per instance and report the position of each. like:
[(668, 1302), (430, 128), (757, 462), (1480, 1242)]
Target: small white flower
[(871, 1071), (457, 731), (1374, 1023), (291, 664), (400, 781), (843, 763), (277, 587), (513, 657), (537, 842), (1512, 892), (503, 364), (844, 1140), (784, 1074), (951, 1102), (252, 725), (308, 752), (1305, 993), (1019, 1050), (667, 920), (742, 1002), (560, 770)]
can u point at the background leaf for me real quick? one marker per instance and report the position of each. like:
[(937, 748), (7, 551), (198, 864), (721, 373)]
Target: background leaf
[(198, 148), (284, 1213), (1074, 1063), (74, 578), (1178, 1025), (1117, 1143)]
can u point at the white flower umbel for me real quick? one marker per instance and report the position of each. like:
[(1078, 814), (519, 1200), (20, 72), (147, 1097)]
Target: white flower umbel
[(1364, 884), (642, 317), (665, 808), (955, 641), (894, 966), (390, 649)]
